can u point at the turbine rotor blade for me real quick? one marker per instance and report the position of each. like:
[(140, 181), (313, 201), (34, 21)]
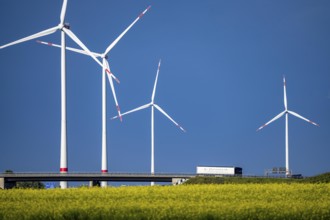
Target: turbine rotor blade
[(164, 113), (63, 11), (301, 117), (81, 52), (76, 39), (134, 110), (33, 36), (112, 86), (124, 32), (155, 84), (285, 98), (274, 119), (69, 48)]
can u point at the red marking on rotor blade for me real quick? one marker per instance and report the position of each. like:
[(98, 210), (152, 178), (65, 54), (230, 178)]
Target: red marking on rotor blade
[(118, 109), (108, 71), (140, 16), (313, 123), (104, 171), (63, 169), (117, 80)]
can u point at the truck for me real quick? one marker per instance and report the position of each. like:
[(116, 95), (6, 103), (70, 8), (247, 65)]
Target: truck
[(219, 171)]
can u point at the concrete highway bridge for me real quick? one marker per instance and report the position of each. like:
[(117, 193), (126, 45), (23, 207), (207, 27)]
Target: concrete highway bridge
[(8, 180)]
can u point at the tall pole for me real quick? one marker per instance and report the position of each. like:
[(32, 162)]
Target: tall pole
[(287, 144), (63, 160), (104, 168), (152, 143)]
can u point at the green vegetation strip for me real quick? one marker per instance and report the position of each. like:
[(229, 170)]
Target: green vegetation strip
[(212, 201), (322, 178)]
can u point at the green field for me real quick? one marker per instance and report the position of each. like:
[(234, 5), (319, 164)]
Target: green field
[(210, 201)]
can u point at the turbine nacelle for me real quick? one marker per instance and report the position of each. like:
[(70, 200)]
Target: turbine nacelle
[(67, 25)]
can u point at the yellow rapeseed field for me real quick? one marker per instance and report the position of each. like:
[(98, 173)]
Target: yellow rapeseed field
[(228, 201)]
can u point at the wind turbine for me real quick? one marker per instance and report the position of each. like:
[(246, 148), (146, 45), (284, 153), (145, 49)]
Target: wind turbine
[(65, 30), (286, 112), (153, 105), (104, 56)]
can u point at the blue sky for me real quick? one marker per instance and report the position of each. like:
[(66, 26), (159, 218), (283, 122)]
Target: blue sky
[(220, 78)]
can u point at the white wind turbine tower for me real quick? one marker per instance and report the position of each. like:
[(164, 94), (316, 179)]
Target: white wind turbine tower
[(104, 56), (153, 105), (65, 30), (286, 112)]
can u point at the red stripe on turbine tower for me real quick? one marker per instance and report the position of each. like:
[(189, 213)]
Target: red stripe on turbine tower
[(63, 169), (104, 171)]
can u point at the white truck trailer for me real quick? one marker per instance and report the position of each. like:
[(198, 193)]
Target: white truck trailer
[(218, 170)]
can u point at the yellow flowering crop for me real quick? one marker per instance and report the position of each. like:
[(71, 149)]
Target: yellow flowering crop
[(228, 201)]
